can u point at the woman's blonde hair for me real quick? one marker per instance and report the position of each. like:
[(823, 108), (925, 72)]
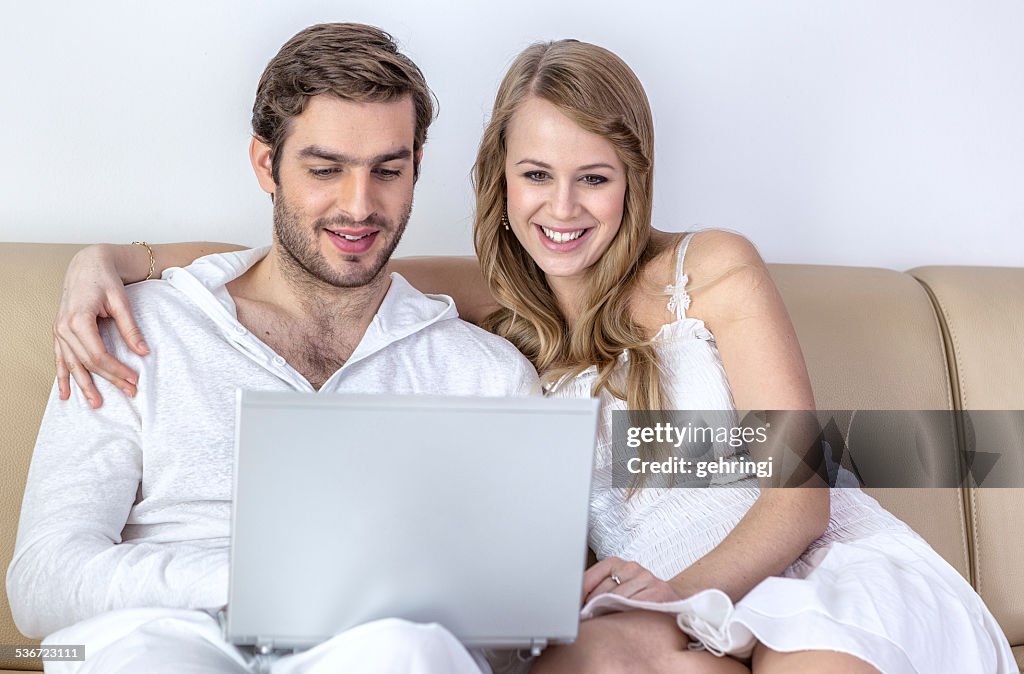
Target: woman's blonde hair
[(597, 90)]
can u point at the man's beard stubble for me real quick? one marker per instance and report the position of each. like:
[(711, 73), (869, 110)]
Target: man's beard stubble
[(303, 262)]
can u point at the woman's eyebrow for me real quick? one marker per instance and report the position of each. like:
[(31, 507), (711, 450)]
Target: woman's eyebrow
[(534, 162), (588, 167)]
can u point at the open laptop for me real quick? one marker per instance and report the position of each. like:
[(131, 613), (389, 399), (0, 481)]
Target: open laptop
[(469, 512)]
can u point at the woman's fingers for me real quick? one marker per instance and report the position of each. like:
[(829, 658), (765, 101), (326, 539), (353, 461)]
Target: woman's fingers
[(93, 290), (634, 586), (85, 353), (597, 574), (628, 579), (607, 586), (611, 575), (63, 377), (120, 310), (81, 375)]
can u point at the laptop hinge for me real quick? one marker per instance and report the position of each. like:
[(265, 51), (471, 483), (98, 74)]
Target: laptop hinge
[(537, 645)]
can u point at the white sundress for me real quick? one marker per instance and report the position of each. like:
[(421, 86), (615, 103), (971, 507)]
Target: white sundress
[(869, 586)]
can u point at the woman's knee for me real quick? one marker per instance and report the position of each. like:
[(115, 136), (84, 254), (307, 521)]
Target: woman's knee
[(635, 642)]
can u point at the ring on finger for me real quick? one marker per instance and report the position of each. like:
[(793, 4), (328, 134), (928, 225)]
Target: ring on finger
[(615, 577)]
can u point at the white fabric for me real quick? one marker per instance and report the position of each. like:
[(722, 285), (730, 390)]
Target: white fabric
[(128, 506), (869, 586), (179, 641)]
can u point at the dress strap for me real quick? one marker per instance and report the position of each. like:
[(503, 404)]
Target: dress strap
[(679, 299)]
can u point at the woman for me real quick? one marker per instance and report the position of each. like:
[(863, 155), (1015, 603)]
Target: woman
[(575, 276)]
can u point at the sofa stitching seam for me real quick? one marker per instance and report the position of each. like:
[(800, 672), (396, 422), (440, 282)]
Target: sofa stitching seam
[(977, 543), (972, 493), (954, 371)]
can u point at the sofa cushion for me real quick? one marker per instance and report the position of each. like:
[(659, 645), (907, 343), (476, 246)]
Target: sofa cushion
[(982, 309), (30, 276), (872, 341)]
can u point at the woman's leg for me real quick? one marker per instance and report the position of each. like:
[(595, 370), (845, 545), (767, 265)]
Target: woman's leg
[(638, 642), (767, 661)]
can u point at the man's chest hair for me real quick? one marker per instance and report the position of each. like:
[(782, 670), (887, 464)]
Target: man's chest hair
[(315, 348)]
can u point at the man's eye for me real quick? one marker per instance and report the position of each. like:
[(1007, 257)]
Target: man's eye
[(323, 172), (594, 180), (536, 176), (389, 174)]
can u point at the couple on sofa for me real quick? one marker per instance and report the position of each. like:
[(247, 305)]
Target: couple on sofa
[(571, 272)]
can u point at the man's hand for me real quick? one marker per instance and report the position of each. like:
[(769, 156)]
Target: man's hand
[(93, 289), (617, 576)]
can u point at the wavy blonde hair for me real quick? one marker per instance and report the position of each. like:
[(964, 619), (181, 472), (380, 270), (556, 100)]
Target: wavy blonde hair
[(597, 90)]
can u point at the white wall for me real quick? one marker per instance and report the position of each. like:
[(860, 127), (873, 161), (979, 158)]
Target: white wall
[(868, 133)]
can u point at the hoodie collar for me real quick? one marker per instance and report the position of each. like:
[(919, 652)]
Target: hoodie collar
[(404, 310)]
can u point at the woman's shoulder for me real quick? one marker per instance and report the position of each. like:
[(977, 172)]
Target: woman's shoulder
[(718, 268)]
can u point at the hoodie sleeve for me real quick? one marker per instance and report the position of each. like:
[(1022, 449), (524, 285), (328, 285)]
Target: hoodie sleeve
[(527, 382), (69, 562)]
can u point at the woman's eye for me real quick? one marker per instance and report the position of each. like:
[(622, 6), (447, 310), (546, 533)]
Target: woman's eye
[(594, 180), (536, 176)]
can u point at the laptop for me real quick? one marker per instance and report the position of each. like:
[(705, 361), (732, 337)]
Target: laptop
[(468, 512)]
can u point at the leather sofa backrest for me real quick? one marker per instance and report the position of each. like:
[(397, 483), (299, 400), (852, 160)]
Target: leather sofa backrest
[(30, 277), (872, 338), (982, 311), (872, 341)]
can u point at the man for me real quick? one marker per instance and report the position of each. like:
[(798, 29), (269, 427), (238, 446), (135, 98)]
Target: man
[(124, 531)]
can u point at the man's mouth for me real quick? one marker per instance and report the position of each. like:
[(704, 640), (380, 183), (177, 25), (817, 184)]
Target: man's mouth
[(352, 241)]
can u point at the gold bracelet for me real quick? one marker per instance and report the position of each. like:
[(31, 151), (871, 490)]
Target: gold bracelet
[(152, 258)]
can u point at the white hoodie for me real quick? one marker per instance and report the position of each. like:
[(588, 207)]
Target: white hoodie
[(129, 505)]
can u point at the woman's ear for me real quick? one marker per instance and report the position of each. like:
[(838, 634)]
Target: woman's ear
[(262, 164)]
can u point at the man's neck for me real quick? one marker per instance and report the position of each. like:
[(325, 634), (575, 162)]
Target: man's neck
[(278, 283)]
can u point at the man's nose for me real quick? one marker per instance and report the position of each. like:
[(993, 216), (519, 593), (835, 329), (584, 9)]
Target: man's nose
[(355, 196)]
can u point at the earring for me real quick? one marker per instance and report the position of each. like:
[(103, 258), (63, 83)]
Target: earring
[(504, 218)]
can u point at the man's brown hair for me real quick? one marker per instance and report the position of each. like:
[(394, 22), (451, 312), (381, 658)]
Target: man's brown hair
[(352, 61)]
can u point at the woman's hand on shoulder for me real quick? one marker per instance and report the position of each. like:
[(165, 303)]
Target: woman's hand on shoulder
[(93, 289)]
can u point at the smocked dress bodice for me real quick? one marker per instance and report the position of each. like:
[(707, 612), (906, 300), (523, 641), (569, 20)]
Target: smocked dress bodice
[(667, 529)]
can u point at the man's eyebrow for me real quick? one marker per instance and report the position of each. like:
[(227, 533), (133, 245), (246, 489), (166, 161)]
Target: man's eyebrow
[(588, 167), (320, 152)]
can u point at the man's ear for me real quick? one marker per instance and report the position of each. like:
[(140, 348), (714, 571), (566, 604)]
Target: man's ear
[(416, 159), (262, 165)]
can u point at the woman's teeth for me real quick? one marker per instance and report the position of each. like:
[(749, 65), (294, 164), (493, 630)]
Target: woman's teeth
[(562, 237)]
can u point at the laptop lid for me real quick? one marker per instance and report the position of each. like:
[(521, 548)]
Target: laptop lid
[(469, 512)]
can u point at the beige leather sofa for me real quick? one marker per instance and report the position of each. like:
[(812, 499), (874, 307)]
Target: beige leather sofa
[(932, 338)]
